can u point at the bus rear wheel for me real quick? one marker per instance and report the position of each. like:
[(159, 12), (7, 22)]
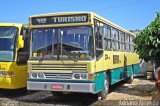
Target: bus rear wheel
[(103, 94), (130, 79)]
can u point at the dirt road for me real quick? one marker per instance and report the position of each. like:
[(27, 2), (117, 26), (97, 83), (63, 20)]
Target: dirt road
[(140, 91)]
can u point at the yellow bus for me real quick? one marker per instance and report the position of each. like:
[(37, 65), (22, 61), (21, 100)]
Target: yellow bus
[(79, 52), (13, 56)]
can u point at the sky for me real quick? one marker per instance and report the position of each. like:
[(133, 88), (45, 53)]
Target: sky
[(129, 14)]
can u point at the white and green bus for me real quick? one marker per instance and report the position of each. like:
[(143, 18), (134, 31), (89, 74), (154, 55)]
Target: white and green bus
[(79, 52)]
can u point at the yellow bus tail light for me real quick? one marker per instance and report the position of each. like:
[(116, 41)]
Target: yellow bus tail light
[(6, 73), (91, 76), (10, 73)]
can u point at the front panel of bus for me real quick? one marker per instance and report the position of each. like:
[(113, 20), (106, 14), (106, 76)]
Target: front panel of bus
[(62, 54), (12, 73), (68, 53)]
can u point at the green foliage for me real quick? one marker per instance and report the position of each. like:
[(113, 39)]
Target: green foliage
[(147, 42)]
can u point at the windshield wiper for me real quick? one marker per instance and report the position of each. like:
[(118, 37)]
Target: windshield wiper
[(42, 58), (68, 54)]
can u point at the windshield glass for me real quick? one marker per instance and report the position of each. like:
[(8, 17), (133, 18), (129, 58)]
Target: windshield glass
[(7, 43), (62, 43)]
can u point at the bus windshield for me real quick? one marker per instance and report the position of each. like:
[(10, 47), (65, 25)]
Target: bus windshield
[(62, 43), (7, 42)]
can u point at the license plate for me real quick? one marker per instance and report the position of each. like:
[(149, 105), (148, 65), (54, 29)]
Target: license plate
[(57, 86)]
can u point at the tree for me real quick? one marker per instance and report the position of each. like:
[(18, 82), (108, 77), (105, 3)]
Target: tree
[(147, 42)]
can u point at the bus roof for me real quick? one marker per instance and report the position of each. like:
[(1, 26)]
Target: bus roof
[(10, 24), (59, 13), (92, 14)]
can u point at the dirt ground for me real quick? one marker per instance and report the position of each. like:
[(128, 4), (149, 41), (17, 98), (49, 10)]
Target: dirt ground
[(140, 93)]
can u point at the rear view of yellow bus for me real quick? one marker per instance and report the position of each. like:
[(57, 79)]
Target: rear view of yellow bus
[(13, 55)]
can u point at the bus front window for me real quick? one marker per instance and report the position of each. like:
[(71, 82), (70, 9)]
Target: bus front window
[(63, 43), (7, 43), (76, 43)]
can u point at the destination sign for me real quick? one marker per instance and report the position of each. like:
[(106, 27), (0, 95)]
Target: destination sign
[(59, 19)]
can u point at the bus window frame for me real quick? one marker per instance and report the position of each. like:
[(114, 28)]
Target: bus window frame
[(56, 58), (97, 34), (122, 40), (127, 42), (107, 39), (115, 39), (131, 43)]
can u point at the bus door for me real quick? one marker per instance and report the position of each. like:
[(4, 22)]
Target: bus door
[(125, 67)]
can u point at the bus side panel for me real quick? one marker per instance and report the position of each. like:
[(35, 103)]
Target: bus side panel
[(119, 74), (116, 75), (99, 81), (129, 71)]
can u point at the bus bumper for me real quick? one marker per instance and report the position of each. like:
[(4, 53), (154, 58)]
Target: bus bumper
[(61, 86), (5, 83), (10, 83)]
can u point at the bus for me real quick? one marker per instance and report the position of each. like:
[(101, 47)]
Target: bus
[(13, 56), (79, 52)]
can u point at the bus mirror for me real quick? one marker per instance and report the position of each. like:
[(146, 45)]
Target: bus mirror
[(22, 57), (20, 41)]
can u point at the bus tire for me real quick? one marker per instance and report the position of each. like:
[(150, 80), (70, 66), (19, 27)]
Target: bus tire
[(56, 93), (103, 94), (129, 80)]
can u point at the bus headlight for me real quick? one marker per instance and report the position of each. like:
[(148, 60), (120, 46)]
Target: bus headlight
[(84, 76), (34, 75), (76, 76), (0, 73), (40, 75), (4, 73), (81, 76), (37, 75), (7, 73)]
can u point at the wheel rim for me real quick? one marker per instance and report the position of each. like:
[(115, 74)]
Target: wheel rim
[(106, 85), (132, 75)]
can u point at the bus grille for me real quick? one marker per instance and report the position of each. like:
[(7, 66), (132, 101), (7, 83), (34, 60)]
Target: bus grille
[(58, 76), (59, 67), (58, 71)]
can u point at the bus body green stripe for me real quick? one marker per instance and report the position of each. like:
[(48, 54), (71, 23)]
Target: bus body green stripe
[(99, 81)]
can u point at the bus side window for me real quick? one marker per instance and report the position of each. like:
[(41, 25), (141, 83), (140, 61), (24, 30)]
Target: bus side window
[(107, 37), (131, 43), (122, 44), (114, 39), (99, 38), (127, 42)]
